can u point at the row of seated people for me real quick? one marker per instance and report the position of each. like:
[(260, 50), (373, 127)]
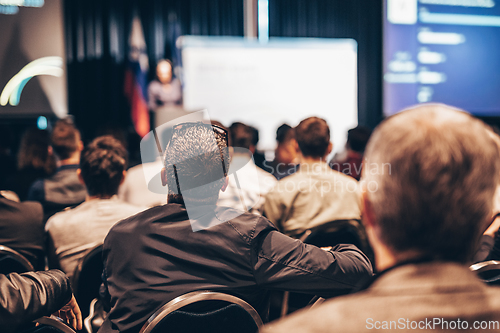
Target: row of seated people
[(429, 183), (76, 180), (102, 168)]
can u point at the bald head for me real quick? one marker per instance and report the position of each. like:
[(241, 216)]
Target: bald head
[(436, 170)]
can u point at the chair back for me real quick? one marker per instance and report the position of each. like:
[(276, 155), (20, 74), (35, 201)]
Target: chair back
[(325, 235), (337, 232), (87, 278), (13, 262), (204, 312), (487, 271)]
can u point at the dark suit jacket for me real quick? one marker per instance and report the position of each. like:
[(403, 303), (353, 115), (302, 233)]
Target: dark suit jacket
[(29, 296), (154, 256), (59, 191), (403, 298), (21, 229)]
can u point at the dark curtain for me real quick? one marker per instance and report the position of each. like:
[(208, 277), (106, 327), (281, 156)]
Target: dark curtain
[(357, 19), (97, 46)]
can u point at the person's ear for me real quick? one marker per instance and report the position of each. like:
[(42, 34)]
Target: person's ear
[(124, 173), (367, 210), (80, 145), (226, 183), (329, 149), (50, 150), (295, 146), (163, 177), (79, 174)]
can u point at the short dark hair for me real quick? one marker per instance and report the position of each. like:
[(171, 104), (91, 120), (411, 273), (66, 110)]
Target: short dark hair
[(102, 163), (433, 172), (197, 157), (313, 136), (34, 153), (284, 133), (242, 135), (358, 137), (65, 138)]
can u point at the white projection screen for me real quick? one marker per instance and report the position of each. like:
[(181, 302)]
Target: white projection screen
[(267, 84)]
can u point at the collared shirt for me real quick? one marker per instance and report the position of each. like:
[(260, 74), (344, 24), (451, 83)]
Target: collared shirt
[(312, 196), (248, 192)]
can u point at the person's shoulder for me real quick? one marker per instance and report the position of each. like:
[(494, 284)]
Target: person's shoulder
[(127, 209), (337, 315), (29, 211), (63, 218), (140, 219), (248, 225), (342, 177)]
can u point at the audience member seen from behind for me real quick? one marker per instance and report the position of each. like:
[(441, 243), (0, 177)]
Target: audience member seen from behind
[(34, 160), (21, 229), (285, 156), (73, 233), (164, 258), (314, 195), (29, 296), (62, 189), (350, 161), (248, 184), (431, 175)]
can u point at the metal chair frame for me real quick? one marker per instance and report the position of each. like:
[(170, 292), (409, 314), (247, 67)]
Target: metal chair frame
[(55, 322), (486, 266), (193, 297), (17, 256)]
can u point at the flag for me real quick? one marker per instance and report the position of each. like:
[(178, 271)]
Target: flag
[(136, 78)]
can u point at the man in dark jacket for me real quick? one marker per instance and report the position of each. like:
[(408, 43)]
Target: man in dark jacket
[(62, 189), (191, 244), (29, 296), (21, 229)]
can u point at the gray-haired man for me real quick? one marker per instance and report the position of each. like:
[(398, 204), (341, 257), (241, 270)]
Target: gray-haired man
[(430, 177)]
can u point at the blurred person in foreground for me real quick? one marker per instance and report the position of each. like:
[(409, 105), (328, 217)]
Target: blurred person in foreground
[(62, 189), (249, 184), (29, 296), (350, 161), (315, 195), (157, 255), (34, 160), (74, 232), (430, 177)]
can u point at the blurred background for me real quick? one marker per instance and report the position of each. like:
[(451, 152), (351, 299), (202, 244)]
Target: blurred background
[(261, 62)]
